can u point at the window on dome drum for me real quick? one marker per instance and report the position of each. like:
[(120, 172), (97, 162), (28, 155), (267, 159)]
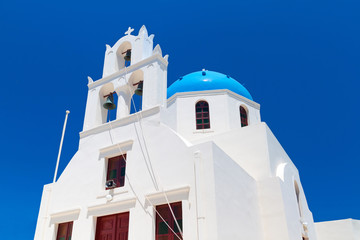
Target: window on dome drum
[(112, 227), (116, 170), (243, 116), (202, 115), (64, 231), (162, 229)]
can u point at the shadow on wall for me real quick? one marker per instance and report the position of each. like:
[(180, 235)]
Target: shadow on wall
[(123, 55)]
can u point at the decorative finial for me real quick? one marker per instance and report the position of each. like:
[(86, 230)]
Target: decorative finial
[(90, 80), (157, 49), (129, 31), (143, 31)]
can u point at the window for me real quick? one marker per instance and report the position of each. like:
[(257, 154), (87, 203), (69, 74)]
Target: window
[(162, 230), (114, 227), (243, 116), (116, 170), (202, 115), (64, 231), (297, 192)]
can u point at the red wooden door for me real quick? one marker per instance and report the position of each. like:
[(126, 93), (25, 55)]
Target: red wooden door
[(122, 227), (113, 227)]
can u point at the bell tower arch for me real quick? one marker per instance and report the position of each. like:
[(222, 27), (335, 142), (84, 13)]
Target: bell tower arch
[(123, 55), (131, 66)]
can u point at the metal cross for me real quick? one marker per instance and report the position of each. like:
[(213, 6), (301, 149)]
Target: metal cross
[(129, 31)]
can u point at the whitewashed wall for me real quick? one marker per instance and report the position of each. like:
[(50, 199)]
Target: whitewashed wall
[(346, 229)]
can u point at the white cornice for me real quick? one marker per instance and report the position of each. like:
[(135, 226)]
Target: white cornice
[(121, 122), (251, 103), (111, 207), (131, 68), (65, 216), (115, 149), (172, 195)]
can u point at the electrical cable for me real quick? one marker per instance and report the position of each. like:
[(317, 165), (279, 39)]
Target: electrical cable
[(136, 196), (147, 153)]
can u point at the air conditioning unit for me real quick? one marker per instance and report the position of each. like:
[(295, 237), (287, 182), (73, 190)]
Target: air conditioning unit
[(110, 184)]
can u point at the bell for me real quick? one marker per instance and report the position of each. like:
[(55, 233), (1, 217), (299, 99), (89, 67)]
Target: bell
[(139, 89), (127, 56), (109, 105)]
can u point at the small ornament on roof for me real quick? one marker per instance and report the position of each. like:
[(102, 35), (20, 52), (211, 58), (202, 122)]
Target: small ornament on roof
[(90, 80), (129, 31), (157, 49), (203, 72), (143, 31)]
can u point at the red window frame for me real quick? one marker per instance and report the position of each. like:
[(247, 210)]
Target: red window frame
[(162, 230), (115, 227), (64, 231), (243, 117), (202, 115), (116, 170)]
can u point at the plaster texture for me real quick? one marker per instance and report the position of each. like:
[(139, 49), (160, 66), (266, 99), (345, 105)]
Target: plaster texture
[(345, 229)]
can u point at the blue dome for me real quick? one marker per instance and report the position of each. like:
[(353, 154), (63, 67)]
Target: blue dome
[(207, 80)]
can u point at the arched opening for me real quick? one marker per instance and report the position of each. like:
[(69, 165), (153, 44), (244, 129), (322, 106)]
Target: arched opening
[(202, 115), (136, 84), (136, 104), (123, 55), (297, 192), (111, 113), (108, 103), (243, 116)]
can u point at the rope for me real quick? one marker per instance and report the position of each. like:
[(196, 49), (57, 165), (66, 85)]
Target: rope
[(137, 198), (151, 171), (147, 153)]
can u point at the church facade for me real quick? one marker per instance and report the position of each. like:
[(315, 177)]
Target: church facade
[(195, 163)]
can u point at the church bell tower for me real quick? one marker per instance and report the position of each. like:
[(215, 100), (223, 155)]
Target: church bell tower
[(131, 66)]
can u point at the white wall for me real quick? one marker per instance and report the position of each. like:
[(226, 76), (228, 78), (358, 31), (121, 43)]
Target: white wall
[(81, 187), (224, 108), (257, 151), (283, 168), (346, 229), (247, 146), (237, 207)]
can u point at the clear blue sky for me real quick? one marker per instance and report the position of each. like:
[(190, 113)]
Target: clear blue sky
[(300, 59)]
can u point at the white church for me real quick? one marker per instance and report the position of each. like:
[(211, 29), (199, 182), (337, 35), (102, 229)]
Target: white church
[(195, 163)]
